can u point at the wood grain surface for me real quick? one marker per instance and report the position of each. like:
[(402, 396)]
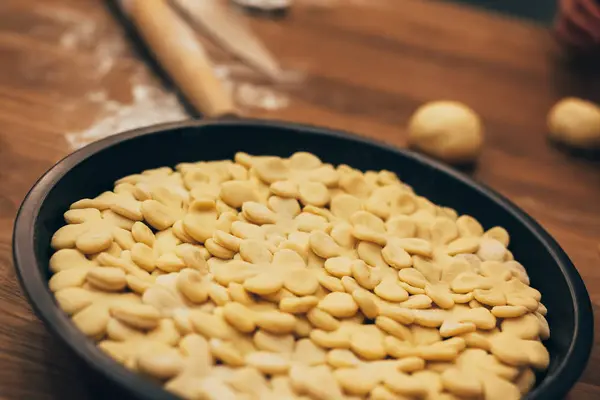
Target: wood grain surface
[(362, 66)]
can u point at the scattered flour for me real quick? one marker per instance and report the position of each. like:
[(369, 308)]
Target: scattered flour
[(149, 106), (339, 3), (265, 4), (280, 4), (150, 102), (250, 95)]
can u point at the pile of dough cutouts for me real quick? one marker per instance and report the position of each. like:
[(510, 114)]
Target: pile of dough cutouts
[(273, 278)]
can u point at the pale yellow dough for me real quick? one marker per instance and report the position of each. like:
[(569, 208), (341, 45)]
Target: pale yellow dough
[(268, 278), (447, 130), (575, 122)]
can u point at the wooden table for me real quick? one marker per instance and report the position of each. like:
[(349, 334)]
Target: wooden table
[(365, 66)]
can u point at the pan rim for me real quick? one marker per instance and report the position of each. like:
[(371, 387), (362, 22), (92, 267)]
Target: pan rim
[(36, 288)]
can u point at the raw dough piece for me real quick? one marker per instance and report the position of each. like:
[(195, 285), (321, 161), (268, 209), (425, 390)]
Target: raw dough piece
[(575, 122), (447, 130)]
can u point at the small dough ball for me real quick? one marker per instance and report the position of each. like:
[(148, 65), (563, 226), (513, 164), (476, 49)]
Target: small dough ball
[(575, 122), (447, 130)]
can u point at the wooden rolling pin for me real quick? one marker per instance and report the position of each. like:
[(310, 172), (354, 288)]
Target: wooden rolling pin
[(179, 52)]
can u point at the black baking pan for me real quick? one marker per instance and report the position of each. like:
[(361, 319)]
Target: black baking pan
[(93, 169)]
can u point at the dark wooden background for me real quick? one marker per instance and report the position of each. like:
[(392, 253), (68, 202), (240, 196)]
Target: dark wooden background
[(541, 11), (364, 67)]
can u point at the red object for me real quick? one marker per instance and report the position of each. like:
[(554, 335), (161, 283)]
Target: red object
[(578, 23)]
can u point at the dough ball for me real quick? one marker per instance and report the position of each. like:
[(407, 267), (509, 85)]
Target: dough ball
[(447, 130), (575, 122)]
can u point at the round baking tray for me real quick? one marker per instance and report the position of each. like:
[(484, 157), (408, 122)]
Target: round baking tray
[(93, 169)]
